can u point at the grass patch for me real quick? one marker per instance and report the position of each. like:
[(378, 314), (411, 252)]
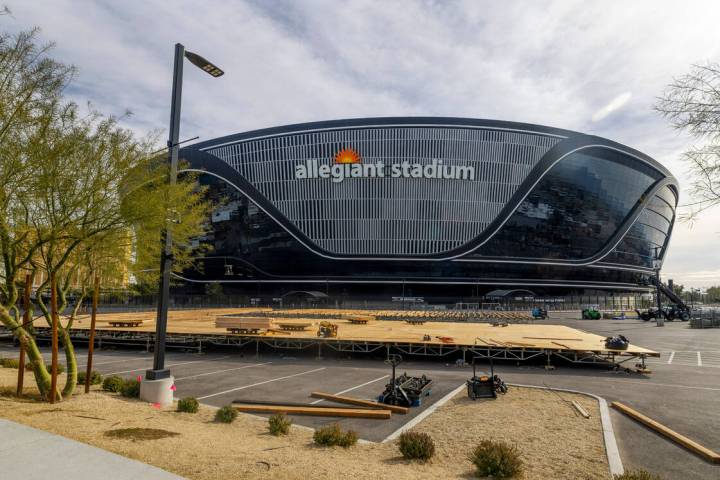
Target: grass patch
[(416, 445), (140, 434), (332, 435), (279, 424), (496, 459), (637, 475)]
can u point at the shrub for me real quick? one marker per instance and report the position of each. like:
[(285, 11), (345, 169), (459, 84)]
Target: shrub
[(15, 363), (95, 378), (113, 383), (416, 445), (130, 388), (279, 424), (332, 435), (226, 414), (637, 475), (10, 362), (188, 405), (496, 459)]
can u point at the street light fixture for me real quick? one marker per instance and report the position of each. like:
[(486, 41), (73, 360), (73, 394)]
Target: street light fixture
[(159, 372)]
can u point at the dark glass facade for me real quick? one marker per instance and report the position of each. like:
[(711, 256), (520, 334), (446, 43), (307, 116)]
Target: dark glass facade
[(582, 212)]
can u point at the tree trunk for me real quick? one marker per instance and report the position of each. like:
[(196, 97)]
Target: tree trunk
[(40, 371), (70, 362)]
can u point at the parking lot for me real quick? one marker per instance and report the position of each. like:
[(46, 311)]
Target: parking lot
[(682, 392)]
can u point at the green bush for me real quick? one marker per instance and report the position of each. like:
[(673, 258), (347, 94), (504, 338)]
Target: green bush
[(637, 475), (332, 435), (226, 414), (10, 362), (130, 388), (188, 405), (416, 445), (279, 424), (95, 378), (496, 459), (15, 363), (113, 383)]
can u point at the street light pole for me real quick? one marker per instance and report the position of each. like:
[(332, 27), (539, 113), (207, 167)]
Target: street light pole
[(159, 372), (659, 320)]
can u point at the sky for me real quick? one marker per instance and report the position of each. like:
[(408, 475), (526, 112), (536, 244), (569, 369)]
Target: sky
[(595, 66)]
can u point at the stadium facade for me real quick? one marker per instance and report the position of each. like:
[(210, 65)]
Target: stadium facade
[(432, 204)]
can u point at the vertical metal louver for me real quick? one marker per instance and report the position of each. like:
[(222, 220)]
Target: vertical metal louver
[(390, 216)]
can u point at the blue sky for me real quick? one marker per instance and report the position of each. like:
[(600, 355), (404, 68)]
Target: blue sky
[(592, 66)]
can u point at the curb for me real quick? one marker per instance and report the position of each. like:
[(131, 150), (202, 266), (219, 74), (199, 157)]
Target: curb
[(611, 448), (424, 414)]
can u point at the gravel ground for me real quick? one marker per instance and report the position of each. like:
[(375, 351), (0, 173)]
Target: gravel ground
[(554, 440)]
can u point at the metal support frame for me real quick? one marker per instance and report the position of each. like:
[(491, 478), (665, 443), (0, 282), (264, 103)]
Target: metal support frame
[(195, 342)]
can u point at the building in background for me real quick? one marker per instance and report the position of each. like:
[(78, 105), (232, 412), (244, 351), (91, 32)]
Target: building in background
[(431, 207)]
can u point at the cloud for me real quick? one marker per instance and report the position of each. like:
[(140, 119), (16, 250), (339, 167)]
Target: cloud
[(615, 104), (546, 62)]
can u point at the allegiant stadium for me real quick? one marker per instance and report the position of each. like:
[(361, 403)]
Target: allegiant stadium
[(446, 206)]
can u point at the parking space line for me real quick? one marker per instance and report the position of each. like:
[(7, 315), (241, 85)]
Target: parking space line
[(222, 371), (260, 383), (129, 359), (699, 359), (351, 389), (653, 384), (168, 365), (672, 355)]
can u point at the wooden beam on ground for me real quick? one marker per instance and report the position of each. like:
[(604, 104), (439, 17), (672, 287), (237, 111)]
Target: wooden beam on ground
[(580, 409), (315, 411), (691, 445), (359, 402)]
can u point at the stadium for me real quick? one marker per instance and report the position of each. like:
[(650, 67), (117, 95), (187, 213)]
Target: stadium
[(431, 207)]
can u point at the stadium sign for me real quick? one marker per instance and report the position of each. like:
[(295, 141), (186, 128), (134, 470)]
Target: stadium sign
[(349, 165)]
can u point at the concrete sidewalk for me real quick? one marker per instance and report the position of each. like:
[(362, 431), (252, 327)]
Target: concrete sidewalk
[(28, 454)]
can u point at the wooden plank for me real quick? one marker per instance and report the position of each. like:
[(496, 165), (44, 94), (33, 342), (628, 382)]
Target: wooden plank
[(360, 402), (580, 409), (315, 411), (553, 338), (562, 345), (667, 432)]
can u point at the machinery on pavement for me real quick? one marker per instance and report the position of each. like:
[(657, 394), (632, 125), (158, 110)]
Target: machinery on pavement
[(539, 313), (485, 386), (404, 390), (591, 312)]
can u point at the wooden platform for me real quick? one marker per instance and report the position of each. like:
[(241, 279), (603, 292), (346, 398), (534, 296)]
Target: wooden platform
[(557, 338)]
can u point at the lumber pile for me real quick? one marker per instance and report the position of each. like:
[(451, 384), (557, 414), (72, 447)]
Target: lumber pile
[(243, 324), (359, 402), (313, 411)]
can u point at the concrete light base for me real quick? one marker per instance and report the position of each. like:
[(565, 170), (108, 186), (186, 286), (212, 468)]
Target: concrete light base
[(157, 391)]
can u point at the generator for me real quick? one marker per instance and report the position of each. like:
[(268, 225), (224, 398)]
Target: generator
[(404, 391), (485, 386)]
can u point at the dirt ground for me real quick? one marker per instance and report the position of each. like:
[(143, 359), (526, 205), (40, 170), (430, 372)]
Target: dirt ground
[(555, 441)]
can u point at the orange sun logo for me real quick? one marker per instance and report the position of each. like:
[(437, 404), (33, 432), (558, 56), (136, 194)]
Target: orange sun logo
[(347, 155)]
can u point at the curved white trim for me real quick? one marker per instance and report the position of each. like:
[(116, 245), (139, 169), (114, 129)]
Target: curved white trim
[(613, 286), (385, 125)]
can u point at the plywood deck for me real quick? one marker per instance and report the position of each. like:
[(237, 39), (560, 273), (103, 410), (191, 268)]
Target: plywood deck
[(515, 336)]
